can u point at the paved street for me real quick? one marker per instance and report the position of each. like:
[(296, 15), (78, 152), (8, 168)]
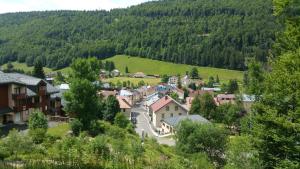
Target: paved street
[(143, 124)]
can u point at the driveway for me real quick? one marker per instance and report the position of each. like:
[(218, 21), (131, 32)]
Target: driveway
[(144, 125)]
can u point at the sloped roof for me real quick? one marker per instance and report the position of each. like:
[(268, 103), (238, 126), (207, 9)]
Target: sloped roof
[(28, 80), (163, 102), (32, 81), (174, 121), (123, 103), (5, 78), (226, 96), (5, 110)]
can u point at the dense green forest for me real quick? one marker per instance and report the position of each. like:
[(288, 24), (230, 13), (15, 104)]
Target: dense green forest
[(217, 33)]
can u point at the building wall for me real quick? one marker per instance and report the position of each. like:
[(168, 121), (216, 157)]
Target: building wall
[(3, 96), (157, 116), (127, 112)]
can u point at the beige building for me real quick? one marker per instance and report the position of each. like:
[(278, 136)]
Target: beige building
[(165, 107), (124, 106)]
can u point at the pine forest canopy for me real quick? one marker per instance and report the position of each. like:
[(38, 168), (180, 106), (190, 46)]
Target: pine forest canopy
[(217, 33)]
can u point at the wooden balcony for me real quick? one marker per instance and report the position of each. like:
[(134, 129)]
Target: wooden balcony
[(19, 96), (20, 108)]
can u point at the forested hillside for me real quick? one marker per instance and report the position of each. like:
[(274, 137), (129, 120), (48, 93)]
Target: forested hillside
[(217, 33)]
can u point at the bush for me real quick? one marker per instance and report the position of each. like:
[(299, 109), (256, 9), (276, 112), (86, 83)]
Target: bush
[(76, 126), (121, 120), (95, 128), (38, 120)]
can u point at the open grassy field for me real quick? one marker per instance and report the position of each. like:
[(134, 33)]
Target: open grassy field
[(148, 66), (24, 67), (135, 81)]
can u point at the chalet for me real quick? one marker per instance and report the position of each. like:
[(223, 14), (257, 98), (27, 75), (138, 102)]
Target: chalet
[(169, 124), (185, 81), (125, 106), (215, 89), (165, 107), (133, 96), (139, 75), (224, 99), (194, 93), (115, 73), (173, 80), (20, 94), (106, 93)]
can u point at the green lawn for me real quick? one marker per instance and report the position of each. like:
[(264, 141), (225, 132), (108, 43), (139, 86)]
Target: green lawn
[(135, 81), (24, 67), (148, 66), (60, 130)]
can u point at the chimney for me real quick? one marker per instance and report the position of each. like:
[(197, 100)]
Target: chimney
[(166, 97)]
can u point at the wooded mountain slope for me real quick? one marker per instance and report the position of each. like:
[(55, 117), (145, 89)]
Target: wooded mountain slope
[(217, 33)]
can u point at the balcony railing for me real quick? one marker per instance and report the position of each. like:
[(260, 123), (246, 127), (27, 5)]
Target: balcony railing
[(19, 96), (20, 108)]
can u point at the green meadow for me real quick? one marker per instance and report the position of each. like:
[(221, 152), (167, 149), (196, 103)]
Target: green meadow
[(154, 67)]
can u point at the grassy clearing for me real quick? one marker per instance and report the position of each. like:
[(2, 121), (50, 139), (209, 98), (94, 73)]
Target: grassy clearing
[(148, 66), (135, 81), (59, 131), (24, 67)]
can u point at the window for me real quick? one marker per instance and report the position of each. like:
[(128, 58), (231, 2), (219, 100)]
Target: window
[(162, 116), (17, 90), (167, 108), (176, 108), (124, 110), (179, 114), (171, 115)]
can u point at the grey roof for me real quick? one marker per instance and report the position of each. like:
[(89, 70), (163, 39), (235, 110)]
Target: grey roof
[(5, 110), (51, 89), (28, 80), (32, 81), (174, 121), (30, 93), (5, 78)]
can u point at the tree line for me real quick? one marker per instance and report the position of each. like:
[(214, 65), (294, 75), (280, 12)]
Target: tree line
[(219, 33)]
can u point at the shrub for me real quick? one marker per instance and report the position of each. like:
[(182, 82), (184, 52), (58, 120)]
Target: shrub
[(121, 120), (95, 128), (76, 127), (38, 120)]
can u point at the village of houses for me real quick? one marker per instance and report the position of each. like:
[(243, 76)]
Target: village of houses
[(151, 108)]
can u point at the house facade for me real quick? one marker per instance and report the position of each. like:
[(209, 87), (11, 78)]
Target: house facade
[(224, 99), (165, 107), (124, 106), (21, 94), (173, 80)]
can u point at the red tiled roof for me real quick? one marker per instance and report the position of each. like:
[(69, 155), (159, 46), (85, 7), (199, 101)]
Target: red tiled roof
[(161, 103), (123, 102)]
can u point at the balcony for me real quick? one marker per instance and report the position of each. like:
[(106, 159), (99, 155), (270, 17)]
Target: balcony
[(20, 108), (19, 96)]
